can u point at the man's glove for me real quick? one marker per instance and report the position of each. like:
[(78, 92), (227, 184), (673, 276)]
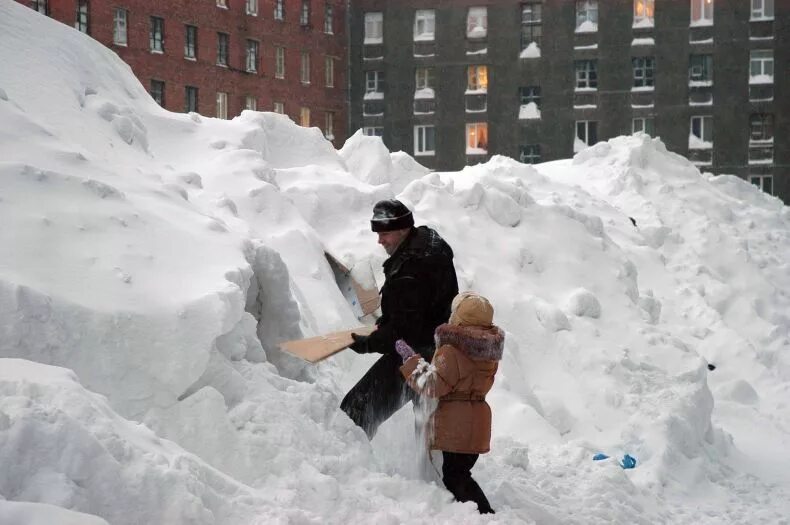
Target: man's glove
[(403, 349), (360, 344)]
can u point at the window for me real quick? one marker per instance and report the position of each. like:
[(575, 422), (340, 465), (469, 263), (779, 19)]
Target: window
[(329, 71), (644, 72), (701, 12), (531, 20), (761, 127), (762, 9), (251, 103), (304, 70), (279, 62), (304, 117), (424, 78), (643, 124), (644, 13), (477, 138), (190, 99), (477, 79), (374, 82), (222, 3), (586, 74), (701, 136), (764, 182), (586, 16), (424, 140), (304, 13), (279, 10), (529, 95), (40, 6), (700, 70), (374, 28), (761, 66), (222, 105), (251, 64), (279, 107), (120, 26), (329, 16), (190, 42), (157, 36), (222, 49), (251, 7), (529, 154), (373, 131), (424, 24), (329, 125), (477, 22), (587, 132), (81, 22), (158, 92)]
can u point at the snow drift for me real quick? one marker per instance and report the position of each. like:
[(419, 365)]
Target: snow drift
[(152, 261)]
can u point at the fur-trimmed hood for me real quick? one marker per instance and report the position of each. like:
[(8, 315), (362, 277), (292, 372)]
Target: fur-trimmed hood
[(479, 344)]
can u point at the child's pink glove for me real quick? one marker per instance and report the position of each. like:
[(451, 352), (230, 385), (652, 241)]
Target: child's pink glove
[(403, 349)]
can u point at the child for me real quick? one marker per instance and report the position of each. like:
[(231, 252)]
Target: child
[(462, 371)]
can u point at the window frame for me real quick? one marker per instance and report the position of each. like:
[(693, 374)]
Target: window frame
[(705, 127), (424, 78), (329, 71), (304, 68), (763, 63), (481, 17), (588, 126), (158, 88), (156, 35), (531, 28), (120, 26), (644, 121), (765, 126), (705, 65), (759, 180), (40, 6), (191, 94), (374, 27), (644, 13), (222, 105), (426, 17), (279, 62), (251, 7), (304, 117), (329, 19), (644, 72), (421, 140), (477, 79), (82, 17), (248, 106), (252, 56), (329, 125), (190, 42), (473, 134), (529, 154), (377, 131), (528, 94), (703, 18), (377, 86), (223, 49), (586, 73), (278, 107), (279, 10), (761, 10), (586, 11), (304, 13)]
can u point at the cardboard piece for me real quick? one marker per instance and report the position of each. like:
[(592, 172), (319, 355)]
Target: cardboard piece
[(363, 300), (315, 349)]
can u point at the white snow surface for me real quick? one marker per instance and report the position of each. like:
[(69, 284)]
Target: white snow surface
[(152, 261), (531, 51)]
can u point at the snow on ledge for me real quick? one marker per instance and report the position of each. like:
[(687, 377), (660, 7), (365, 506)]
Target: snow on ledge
[(697, 143), (637, 89), (481, 91), (373, 41), (701, 42), (478, 52), (424, 93), (425, 37), (700, 83), (587, 27), (579, 145), (703, 22), (531, 51), (476, 151), (582, 48), (643, 22), (647, 41), (761, 79), (529, 111), (374, 95)]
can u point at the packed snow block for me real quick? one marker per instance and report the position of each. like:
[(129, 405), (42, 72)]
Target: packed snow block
[(367, 158), (551, 317), (583, 303), (502, 208)]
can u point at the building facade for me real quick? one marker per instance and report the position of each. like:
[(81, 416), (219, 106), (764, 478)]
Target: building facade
[(219, 57), (454, 82)]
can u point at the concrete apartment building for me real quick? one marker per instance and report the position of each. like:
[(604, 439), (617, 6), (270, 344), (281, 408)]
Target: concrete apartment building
[(455, 81), (219, 57)]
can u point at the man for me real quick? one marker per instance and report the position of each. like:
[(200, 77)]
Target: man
[(419, 287)]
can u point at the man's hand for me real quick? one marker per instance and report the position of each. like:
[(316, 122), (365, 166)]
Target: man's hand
[(360, 344)]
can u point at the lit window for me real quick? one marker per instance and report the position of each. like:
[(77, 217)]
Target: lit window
[(158, 92), (279, 10), (586, 74), (304, 70), (190, 42), (531, 24), (644, 13), (644, 72), (424, 25), (701, 12), (279, 107), (764, 182), (190, 99), (279, 62), (477, 22), (586, 134), (251, 7), (701, 69), (157, 35), (529, 154), (329, 68), (329, 125), (477, 138), (374, 28), (222, 105), (701, 135), (586, 16), (81, 22), (250, 103), (424, 140), (222, 49), (329, 16), (762, 9), (304, 14), (304, 117), (761, 66), (643, 125), (120, 26), (477, 79), (252, 56)]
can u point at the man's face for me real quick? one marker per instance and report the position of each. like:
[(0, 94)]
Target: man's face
[(391, 240)]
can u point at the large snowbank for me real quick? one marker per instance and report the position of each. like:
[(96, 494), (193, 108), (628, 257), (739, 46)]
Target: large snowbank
[(161, 257)]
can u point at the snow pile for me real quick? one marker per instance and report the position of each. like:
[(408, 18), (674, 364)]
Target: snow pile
[(157, 259), (531, 51), (529, 111)]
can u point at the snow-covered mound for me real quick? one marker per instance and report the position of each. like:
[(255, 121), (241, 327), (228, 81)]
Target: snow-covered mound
[(152, 261)]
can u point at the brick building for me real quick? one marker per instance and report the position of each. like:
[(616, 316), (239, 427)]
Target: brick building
[(453, 82), (218, 57)]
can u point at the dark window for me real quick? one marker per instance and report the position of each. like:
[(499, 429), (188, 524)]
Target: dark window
[(761, 127), (158, 92), (157, 34), (644, 71), (190, 41), (586, 74), (222, 49), (81, 21), (529, 94), (587, 131), (701, 68), (531, 20), (304, 14), (529, 154), (190, 99), (40, 6)]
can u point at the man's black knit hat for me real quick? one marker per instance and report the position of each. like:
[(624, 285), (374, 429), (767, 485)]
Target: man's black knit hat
[(391, 215)]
